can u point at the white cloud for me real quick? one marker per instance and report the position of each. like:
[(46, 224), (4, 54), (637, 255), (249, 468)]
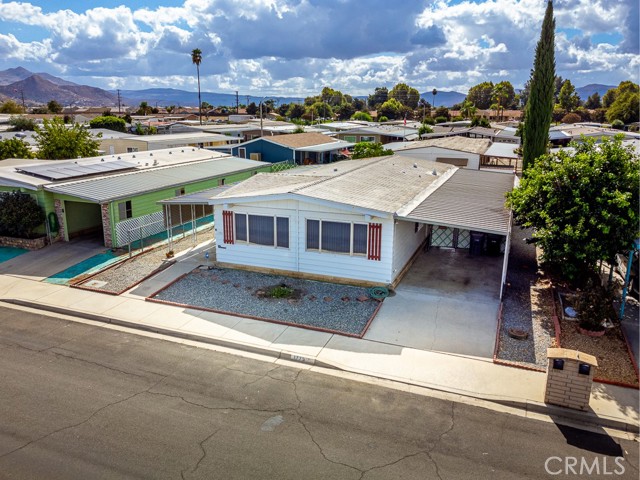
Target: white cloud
[(290, 47)]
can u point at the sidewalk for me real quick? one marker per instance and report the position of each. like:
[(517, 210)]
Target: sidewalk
[(613, 407)]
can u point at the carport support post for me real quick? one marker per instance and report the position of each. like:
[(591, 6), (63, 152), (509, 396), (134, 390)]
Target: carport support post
[(193, 223), (505, 260)]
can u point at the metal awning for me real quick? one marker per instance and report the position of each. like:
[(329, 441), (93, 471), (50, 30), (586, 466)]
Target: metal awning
[(471, 200)]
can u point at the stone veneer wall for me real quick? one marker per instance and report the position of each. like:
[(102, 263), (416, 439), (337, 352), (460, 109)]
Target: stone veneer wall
[(106, 225), (60, 214), (28, 243)]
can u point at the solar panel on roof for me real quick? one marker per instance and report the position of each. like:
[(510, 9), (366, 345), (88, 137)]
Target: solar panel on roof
[(62, 171)]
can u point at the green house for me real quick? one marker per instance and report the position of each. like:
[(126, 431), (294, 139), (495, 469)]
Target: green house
[(116, 196)]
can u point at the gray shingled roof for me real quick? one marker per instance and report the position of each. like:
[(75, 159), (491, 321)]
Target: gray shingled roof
[(106, 189), (469, 199), (383, 184)]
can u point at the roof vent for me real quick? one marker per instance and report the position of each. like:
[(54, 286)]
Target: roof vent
[(169, 152), (415, 165), (434, 172), (133, 156), (102, 159), (335, 169), (182, 151), (151, 154), (155, 162), (119, 158), (146, 164)]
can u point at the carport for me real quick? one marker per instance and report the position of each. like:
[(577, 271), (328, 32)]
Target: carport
[(448, 299)]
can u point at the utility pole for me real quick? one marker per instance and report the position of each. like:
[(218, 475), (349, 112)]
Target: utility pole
[(24, 107), (119, 105), (237, 103)]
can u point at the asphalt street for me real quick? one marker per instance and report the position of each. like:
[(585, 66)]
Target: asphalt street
[(84, 402)]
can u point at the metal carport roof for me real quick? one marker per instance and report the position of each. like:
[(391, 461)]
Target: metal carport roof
[(469, 199)]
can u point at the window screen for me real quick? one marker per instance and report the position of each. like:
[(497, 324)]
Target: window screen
[(261, 230), (282, 225), (336, 237), (313, 234), (359, 239), (124, 210), (241, 227)]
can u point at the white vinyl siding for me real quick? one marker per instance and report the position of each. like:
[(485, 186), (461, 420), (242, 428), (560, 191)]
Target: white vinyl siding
[(406, 242), (297, 258)]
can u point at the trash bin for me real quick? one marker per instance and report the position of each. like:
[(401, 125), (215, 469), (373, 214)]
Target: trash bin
[(493, 244), (477, 243)]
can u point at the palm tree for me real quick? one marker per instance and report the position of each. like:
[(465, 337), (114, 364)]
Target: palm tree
[(468, 109), (499, 93), (196, 58)]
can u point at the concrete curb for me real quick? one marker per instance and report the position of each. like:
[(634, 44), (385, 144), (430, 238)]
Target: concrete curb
[(588, 419)]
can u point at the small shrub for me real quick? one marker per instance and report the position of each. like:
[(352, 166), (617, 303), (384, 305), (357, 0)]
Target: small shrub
[(383, 119), (594, 306), (441, 119), (617, 124), (20, 214), (280, 291)]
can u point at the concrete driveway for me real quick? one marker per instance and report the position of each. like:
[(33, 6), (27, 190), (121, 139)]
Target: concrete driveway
[(448, 301), (41, 264)]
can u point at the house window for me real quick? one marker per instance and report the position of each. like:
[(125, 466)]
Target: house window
[(337, 237), (350, 138), (262, 230), (365, 138), (220, 182), (132, 149), (179, 191), (124, 210)]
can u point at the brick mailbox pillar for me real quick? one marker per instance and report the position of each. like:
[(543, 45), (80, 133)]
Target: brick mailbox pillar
[(569, 378)]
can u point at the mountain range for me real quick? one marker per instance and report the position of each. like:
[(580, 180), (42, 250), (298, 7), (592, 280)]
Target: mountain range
[(40, 88)]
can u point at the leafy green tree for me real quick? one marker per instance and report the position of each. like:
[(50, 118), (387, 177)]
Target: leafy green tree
[(144, 109), (332, 97), (54, 107), (617, 124), (570, 118), (626, 106), (196, 59), (20, 214), (14, 148), (295, 111), (593, 101), (380, 95), (362, 116), (170, 109), (109, 122), (56, 141), (481, 95), (424, 129), (369, 150), (140, 129), (252, 108), (582, 205), (540, 104), (21, 123), (504, 94), (558, 81), (392, 109), (478, 121), (609, 98), (568, 98), (406, 95), (345, 111), (443, 112), (11, 107)]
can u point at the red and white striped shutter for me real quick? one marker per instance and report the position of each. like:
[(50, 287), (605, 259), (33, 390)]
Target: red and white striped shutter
[(227, 225), (375, 241)]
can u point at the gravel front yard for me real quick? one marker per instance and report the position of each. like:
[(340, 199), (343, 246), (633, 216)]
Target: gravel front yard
[(344, 309), (527, 306), (132, 271)]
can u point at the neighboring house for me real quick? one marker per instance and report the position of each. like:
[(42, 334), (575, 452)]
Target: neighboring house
[(562, 135), (116, 196), (116, 142), (359, 221), (379, 133), (455, 150), (300, 148)]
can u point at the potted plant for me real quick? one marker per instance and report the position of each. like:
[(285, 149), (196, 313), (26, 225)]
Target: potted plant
[(595, 307)]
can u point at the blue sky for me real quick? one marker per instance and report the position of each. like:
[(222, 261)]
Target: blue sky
[(296, 47)]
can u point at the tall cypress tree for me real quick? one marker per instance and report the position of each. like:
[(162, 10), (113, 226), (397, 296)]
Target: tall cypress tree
[(535, 134)]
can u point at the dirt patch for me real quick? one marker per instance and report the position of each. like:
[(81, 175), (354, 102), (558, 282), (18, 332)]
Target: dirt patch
[(614, 363)]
